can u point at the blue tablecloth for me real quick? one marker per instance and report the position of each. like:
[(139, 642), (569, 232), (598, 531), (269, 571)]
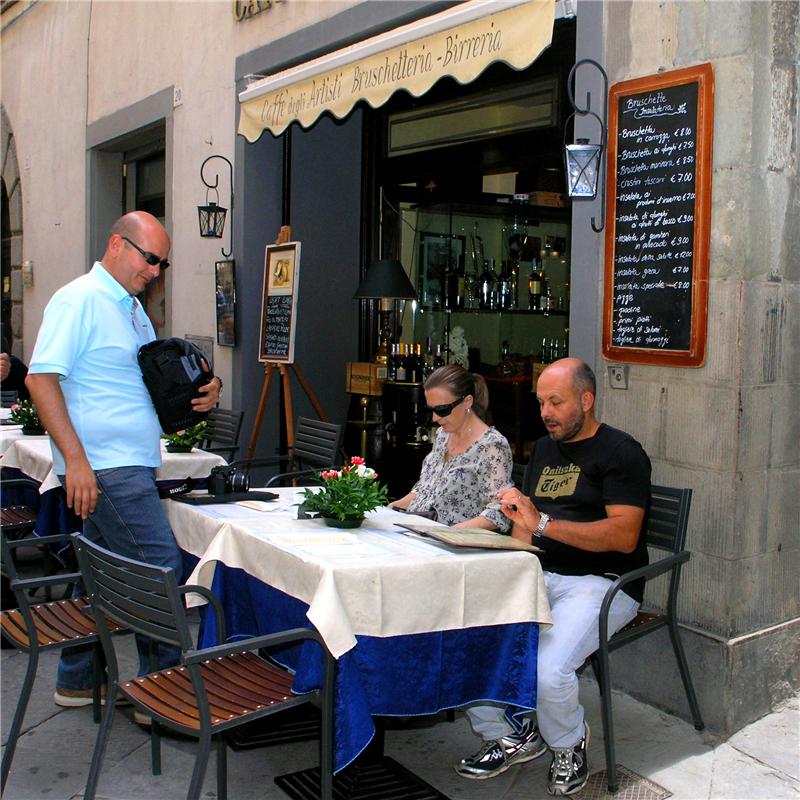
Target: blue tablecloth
[(396, 676)]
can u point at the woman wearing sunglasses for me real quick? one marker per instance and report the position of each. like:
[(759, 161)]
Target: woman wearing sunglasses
[(470, 461)]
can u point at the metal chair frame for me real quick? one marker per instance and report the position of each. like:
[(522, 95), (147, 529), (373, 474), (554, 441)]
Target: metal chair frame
[(667, 522), (194, 698), (35, 628), (316, 447), (223, 428)]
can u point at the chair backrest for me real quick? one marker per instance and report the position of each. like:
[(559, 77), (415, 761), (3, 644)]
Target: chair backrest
[(517, 474), (141, 596), (223, 428), (316, 443), (8, 397), (668, 517)]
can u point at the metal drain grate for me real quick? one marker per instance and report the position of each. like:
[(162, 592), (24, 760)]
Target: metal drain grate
[(632, 786)]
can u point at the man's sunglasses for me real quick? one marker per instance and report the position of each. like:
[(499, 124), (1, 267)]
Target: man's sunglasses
[(446, 409), (151, 258)]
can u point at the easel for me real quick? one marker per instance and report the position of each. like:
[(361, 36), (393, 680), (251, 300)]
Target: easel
[(284, 236)]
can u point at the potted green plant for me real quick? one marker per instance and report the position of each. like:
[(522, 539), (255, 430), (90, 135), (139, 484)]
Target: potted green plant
[(347, 494), (24, 413), (183, 441)]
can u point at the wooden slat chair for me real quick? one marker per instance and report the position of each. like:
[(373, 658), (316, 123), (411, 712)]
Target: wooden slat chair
[(18, 520), (36, 627), (223, 429), (316, 447), (667, 522), (212, 690)]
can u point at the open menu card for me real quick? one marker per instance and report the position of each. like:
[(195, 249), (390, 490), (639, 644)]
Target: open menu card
[(470, 537)]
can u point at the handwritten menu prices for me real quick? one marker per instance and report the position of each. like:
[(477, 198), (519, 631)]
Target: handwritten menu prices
[(277, 326), (658, 179), (655, 219)]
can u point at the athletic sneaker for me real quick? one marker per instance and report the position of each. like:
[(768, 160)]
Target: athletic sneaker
[(72, 698), (495, 757), (77, 698), (569, 770)]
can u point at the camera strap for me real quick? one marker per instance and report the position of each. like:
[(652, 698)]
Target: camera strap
[(167, 489)]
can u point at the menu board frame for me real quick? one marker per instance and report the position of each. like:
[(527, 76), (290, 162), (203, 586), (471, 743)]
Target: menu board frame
[(279, 301), (693, 354)]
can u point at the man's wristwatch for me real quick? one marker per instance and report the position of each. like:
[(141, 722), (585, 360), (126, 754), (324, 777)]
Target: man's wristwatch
[(220, 383), (543, 520)]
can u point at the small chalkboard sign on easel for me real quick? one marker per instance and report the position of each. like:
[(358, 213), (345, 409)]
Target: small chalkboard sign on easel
[(279, 303), (658, 218)]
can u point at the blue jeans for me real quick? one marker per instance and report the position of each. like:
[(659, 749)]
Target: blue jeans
[(575, 602), (129, 520)]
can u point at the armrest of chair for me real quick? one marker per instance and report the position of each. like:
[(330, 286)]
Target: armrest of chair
[(219, 616), (254, 643), (29, 482), (659, 567), (288, 476), (37, 540), (49, 580)]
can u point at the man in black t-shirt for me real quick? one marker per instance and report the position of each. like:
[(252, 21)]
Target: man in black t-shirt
[(584, 501)]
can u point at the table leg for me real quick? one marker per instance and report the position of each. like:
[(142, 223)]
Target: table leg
[(371, 775)]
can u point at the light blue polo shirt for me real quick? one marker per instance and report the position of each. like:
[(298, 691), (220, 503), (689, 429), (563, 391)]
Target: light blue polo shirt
[(90, 335)]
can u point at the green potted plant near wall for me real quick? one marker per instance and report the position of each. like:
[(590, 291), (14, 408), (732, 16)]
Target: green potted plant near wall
[(184, 441), (24, 413), (347, 494)]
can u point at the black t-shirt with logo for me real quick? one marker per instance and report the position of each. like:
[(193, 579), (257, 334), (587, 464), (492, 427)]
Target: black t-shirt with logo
[(576, 481)]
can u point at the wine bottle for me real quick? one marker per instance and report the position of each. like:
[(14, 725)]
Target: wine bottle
[(391, 364), (402, 363), (417, 364), (427, 367), (438, 359), (535, 288), (488, 285)]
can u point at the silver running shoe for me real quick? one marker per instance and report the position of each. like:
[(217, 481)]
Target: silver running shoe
[(569, 770), (495, 757)]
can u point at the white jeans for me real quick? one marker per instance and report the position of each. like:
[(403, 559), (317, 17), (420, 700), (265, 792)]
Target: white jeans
[(575, 604)]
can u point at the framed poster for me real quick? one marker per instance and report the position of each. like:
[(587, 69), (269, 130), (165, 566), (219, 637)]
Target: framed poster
[(225, 281), (279, 302), (439, 254), (205, 344), (658, 218)]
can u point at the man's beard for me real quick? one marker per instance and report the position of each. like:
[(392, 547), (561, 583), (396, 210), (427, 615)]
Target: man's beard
[(569, 428)]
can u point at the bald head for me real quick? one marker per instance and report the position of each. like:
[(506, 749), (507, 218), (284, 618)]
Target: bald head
[(133, 223), (133, 239), (566, 393), (578, 372)]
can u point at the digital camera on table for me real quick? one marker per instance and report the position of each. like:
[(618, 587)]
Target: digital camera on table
[(228, 478)]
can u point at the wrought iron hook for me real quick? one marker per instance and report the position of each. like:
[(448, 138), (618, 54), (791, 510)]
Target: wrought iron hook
[(214, 186), (603, 131)]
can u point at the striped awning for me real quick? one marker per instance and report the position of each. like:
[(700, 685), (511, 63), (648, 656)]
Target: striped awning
[(460, 43)]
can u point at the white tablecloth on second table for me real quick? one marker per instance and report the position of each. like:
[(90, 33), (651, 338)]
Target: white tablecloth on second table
[(372, 581), (33, 456)]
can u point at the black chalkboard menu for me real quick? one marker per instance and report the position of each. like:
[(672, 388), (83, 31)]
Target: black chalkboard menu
[(279, 303), (658, 215)]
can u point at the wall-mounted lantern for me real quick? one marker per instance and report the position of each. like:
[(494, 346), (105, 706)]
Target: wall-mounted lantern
[(211, 216), (584, 159)]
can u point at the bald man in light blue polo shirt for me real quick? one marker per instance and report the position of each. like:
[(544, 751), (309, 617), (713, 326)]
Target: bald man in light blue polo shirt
[(85, 380)]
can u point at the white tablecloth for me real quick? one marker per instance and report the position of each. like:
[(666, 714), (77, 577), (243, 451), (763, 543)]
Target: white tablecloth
[(372, 581), (33, 456)]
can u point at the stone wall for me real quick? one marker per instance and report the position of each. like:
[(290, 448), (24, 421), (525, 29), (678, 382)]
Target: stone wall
[(731, 429)]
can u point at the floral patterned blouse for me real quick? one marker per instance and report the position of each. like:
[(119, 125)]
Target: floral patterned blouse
[(462, 487)]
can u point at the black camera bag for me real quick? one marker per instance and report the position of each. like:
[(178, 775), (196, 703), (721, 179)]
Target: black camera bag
[(173, 372)]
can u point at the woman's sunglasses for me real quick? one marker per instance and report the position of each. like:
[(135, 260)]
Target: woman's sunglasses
[(151, 258), (446, 409)]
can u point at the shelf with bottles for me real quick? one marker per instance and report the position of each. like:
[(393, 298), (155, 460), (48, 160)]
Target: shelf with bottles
[(500, 272)]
